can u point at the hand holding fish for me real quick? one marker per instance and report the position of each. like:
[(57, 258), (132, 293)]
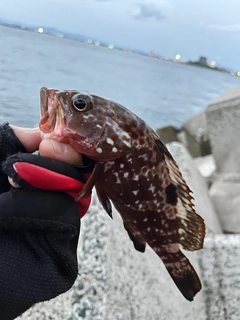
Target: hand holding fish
[(39, 229)]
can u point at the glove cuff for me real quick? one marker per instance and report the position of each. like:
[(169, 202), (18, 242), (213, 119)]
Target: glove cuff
[(9, 142)]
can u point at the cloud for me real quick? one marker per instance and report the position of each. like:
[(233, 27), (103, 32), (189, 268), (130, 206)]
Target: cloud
[(228, 28), (148, 11)]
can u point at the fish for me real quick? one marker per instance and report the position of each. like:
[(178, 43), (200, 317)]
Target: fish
[(135, 172)]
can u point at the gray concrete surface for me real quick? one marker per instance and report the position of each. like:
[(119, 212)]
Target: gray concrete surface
[(220, 265), (206, 165), (59, 308), (197, 184), (195, 137), (167, 134), (223, 118), (225, 196)]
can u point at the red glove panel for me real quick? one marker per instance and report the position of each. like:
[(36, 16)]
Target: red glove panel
[(43, 173)]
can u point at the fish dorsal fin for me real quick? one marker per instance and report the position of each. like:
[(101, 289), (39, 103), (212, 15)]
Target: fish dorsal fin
[(191, 226)]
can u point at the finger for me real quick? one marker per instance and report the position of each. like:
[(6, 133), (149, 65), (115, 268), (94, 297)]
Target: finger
[(60, 151), (14, 184), (30, 138)]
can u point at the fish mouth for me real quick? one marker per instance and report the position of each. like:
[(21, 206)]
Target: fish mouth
[(52, 115)]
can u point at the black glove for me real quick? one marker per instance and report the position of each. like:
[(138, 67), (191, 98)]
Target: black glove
[(39, 229)]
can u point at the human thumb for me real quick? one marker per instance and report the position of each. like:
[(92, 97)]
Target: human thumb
[(60, 151)]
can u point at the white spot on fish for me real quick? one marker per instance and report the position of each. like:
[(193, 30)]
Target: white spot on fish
[(181, 231), (99, 150), (136, 178), (172, 248), (110, 141), (98, 126), (126, 174), (114, 149), (128, 144), (143, 156), (135, 192), (152, 188), (145, 219), (184, 222), (148, 229), (121, 165)]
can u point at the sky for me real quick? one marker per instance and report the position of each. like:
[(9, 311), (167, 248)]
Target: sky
[(191, 28)]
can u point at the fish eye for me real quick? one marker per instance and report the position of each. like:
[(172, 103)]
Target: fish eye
[(80, 104)]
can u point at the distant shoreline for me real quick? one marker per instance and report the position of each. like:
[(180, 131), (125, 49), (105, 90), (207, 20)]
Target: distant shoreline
[(82, 38)]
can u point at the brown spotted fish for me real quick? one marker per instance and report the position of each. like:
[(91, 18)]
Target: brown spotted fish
[(133, 170)]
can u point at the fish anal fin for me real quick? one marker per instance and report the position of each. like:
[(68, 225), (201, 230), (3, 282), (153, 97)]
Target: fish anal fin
[(104, 200), (139, 245), (87, 189)]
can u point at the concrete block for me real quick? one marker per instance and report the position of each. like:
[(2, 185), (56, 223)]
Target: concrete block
[(223, 118), (206, 165), (225, 196), (220, 265), (196, 136), (197, 184), (167, 134)]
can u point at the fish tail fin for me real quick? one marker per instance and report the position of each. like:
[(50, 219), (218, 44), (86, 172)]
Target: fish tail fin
[(182, 273)]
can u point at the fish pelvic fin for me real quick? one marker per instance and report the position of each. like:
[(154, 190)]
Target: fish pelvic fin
[(182, 273), (87, 189), (104, 200)]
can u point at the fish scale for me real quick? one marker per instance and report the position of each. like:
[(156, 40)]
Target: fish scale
[(135, 172)]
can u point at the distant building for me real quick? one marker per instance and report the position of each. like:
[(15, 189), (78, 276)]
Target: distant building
[(202, 61)]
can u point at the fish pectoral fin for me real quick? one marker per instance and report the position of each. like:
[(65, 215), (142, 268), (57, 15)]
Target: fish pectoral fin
[(87, 189), (139, 245), (104, 200), (182, 272)]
